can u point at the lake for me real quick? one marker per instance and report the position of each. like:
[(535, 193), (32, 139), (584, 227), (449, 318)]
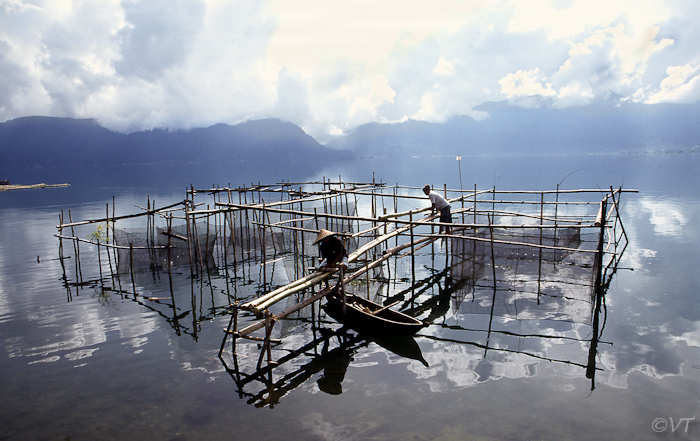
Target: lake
[(82, 362)]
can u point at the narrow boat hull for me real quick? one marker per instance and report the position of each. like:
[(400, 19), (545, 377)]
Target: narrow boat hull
[(358, 316)]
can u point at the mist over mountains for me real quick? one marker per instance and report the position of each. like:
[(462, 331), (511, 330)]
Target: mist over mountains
[(46, 142), (605, 127)]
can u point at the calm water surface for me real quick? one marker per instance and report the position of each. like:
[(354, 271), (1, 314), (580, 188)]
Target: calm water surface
[(86, 364)]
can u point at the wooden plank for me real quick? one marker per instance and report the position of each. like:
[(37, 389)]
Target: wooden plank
[(9, 187)]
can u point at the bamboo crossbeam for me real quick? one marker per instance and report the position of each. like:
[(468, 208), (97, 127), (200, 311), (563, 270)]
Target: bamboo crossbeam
[(326, 194), (316, 276), (529, 202), (261, 323), (297, 212), (109, 245), (309, 280), (392, 217), (577, 221), (319, 277), (113, 219), (383, 238), (420, 210), (532, 216), (315, 196), (383, 195), (508, 242), (176, 236), (290, 221), (231, 205), (582, 190)]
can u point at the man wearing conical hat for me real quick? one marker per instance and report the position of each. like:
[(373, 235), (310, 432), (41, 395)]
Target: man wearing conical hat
[(332, 251)]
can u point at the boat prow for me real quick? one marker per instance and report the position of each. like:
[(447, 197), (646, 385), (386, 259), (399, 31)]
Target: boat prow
[(363, 315)]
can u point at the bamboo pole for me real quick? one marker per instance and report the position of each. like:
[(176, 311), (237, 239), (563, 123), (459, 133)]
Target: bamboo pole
[(128, 216), (309, 280), (387, 254), (264, 245), (506, 242)]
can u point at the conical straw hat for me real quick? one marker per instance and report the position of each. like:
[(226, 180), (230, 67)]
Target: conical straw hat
[(321, 235)]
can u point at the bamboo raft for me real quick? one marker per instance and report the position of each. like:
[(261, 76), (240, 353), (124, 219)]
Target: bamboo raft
[(9, 187), (258, 225)]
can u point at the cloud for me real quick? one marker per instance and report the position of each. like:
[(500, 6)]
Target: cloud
[(157, 35), (525, 83), (330, 66), (682, 85)]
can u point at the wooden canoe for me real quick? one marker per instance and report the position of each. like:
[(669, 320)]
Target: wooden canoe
[(366, 316)]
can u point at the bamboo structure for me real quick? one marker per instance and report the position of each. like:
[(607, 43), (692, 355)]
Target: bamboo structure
[(259, 243)]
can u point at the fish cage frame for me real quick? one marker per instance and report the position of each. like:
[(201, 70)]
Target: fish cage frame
[(251, 214)]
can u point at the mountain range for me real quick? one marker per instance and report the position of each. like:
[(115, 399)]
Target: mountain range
[(48, 142), (58, 142), (604, 127)]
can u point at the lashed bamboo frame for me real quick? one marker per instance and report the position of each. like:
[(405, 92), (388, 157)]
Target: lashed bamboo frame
[(605, 219)]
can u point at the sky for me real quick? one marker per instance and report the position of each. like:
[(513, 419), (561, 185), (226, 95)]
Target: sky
[(329, 66)]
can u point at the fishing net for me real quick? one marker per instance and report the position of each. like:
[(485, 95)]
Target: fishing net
[(528, 273)]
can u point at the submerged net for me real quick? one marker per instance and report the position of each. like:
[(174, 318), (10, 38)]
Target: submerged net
[(510, 277), (150, 247)]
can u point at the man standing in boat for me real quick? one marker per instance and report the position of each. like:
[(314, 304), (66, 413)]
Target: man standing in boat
[(439, 203), (333, 253)]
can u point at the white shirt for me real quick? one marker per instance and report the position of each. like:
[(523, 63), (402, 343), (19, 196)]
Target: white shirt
[(437, 200)]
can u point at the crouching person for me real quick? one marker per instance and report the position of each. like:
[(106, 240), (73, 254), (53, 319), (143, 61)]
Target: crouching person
[(333, 254)]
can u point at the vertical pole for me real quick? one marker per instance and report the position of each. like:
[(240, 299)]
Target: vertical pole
[(413, 255), (303, 245), (109, 257), (461, 189), (99, 262), (169, 256), (599, 293), (539, 263), (367, 272), (474, 203), (76, 251), (131, 265), (264, 251), (189, 237)]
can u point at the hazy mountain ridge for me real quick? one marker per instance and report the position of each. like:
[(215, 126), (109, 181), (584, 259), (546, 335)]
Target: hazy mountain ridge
[(602, 127), (59, 142)]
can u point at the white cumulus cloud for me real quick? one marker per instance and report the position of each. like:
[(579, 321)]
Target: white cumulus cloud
[(328, 65)]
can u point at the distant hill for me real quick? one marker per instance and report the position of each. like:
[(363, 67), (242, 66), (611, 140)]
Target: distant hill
[(59, 142), (610, 126), (597, 128)]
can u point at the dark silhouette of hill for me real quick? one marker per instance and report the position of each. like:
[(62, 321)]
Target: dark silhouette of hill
[(604, 127), (45, 142), (40, 141)]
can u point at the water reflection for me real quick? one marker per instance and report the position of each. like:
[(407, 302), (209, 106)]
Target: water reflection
[(510, 331), (132, 354), (501, 299)]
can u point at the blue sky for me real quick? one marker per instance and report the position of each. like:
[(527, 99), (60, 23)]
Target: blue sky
[(330, 66)]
